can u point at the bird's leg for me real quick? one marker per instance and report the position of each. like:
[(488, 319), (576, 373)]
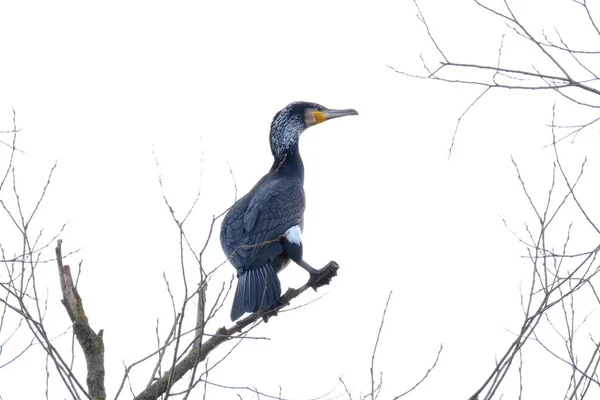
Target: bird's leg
[(320, 277), (310, 269)]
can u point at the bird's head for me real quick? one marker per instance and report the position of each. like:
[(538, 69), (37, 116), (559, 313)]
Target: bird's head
[(291, 121)]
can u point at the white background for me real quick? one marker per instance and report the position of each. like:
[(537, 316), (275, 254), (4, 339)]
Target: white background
[(100, 87)]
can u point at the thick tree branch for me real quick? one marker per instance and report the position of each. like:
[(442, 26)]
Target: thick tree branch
[(222, 335), (91, 342)]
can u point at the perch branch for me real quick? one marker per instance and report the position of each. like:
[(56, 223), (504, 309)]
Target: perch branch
[(223, 334)]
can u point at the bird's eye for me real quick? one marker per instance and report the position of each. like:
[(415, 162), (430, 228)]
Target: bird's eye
[(319, 108)]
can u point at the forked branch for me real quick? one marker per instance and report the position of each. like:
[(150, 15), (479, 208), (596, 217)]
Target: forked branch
[(91, 342)]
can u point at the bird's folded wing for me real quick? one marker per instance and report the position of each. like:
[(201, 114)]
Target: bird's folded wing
[(256, 223)]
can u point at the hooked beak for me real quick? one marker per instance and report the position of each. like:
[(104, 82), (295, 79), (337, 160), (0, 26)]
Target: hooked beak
[(331, 114), (315, 116)]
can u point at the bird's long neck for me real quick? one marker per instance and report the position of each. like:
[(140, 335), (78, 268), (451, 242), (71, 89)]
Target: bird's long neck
[(290, 164)]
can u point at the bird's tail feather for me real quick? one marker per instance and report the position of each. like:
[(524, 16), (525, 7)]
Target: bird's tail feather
[(256, 290)]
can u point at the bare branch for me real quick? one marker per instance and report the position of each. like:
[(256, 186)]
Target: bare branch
[(462, 116), (222, 335), (422, 18), (426, 374), (373, 397), (91, 342)]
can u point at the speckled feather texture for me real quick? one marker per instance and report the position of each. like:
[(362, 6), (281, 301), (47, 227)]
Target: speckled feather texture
[(287, 126)]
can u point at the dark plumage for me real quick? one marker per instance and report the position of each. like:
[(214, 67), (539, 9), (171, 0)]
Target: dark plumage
[(261, 232)]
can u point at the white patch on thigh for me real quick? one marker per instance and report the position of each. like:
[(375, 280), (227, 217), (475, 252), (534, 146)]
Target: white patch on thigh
[(294, 235)]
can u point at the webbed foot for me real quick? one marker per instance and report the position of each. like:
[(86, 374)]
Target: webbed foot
[(323, 276)]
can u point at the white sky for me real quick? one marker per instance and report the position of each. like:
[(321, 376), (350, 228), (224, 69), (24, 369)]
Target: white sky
[(100, 87)]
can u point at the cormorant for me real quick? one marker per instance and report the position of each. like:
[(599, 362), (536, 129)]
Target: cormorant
[(261, 232)]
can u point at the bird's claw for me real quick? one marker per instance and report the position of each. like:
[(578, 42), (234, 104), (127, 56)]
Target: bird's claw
[(324, 276), (268, 314), (272, 310)]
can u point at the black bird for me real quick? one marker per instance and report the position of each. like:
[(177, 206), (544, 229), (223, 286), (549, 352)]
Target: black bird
[(262, 231)]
